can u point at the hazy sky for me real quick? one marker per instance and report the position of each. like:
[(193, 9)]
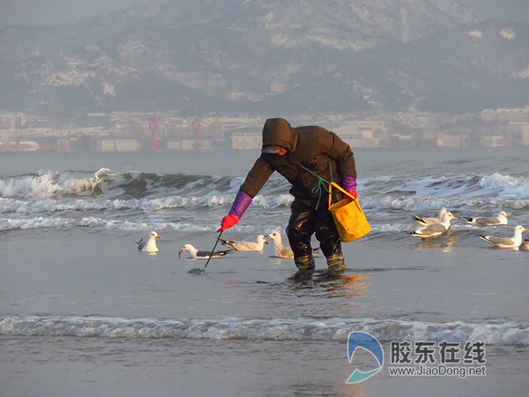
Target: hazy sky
[(52, 12)]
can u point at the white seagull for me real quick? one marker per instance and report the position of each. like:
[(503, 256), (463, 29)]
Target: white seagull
[(435, 229), (280, 251), (500, 219), (246, 245), (513, 242), (149, 246), (197, 254), (429, 221)]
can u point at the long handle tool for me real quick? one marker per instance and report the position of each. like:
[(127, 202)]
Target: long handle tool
[(212, 251)]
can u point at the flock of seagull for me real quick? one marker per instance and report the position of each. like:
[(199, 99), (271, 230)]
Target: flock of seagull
[(437, 226), (281, 251), (427, 228)]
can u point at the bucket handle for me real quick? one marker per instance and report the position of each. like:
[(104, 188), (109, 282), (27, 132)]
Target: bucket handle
[(343, 191)]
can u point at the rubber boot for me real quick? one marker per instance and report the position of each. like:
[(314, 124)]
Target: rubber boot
[(305, 263), (335, 264)]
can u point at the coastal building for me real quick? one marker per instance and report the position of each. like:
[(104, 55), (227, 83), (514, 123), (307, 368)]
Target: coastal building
[(525, 134), (452, 141), (119, 145), (246, 141), (493, 141)]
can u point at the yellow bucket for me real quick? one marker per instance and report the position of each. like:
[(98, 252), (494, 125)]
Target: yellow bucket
[(348, 216)]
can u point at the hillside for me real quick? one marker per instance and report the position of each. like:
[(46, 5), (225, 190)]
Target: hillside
[(264, 56)]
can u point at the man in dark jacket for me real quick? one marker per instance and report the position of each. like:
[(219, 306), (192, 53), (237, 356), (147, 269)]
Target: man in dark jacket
[(300, 154)]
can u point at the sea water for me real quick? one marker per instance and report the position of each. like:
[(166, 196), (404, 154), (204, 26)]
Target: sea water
[(83, 312)]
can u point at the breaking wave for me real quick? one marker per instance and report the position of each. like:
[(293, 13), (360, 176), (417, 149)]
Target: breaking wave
[(8, 205), (52, 184), (47, 184), (65, 199), (96, 222), (124, 225), (333, 329)]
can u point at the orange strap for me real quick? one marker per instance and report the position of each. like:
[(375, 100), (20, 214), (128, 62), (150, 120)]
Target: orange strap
[(342, 190)]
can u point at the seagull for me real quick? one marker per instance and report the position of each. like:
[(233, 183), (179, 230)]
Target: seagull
[(500, 219), (435, 229), (280, 251), (246, 245), (97, 180), (196, 254), (429, 221), (513, 242), (149, 246)]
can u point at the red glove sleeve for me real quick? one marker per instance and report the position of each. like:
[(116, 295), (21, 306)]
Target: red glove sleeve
[(228, 221)]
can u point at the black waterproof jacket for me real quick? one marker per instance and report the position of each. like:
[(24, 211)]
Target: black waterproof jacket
[(311, 146)]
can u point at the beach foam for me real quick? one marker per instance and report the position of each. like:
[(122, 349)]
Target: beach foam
[(333, 329)]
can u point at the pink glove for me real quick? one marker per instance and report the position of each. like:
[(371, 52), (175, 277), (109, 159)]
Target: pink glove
[(349, 185)]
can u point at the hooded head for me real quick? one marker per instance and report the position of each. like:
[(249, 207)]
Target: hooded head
[(278, 133)]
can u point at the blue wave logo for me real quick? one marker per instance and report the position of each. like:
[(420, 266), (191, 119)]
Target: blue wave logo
[(363, 340)]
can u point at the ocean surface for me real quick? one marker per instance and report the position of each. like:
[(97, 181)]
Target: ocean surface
[(84, 313)]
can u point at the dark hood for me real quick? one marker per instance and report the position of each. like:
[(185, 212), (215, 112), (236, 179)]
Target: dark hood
[(279, 132)]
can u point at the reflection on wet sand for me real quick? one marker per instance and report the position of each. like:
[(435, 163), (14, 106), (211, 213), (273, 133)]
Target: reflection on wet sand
[(325, 389), (353, 286), (445, 245), (335, 286)]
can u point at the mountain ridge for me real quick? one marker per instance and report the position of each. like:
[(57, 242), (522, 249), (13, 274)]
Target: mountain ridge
[(248, 56)]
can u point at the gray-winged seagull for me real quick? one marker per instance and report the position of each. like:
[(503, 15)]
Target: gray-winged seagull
[(500, 219), (435, 229), (246, 245), (513, 242), (429, 221), (198, 254)]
